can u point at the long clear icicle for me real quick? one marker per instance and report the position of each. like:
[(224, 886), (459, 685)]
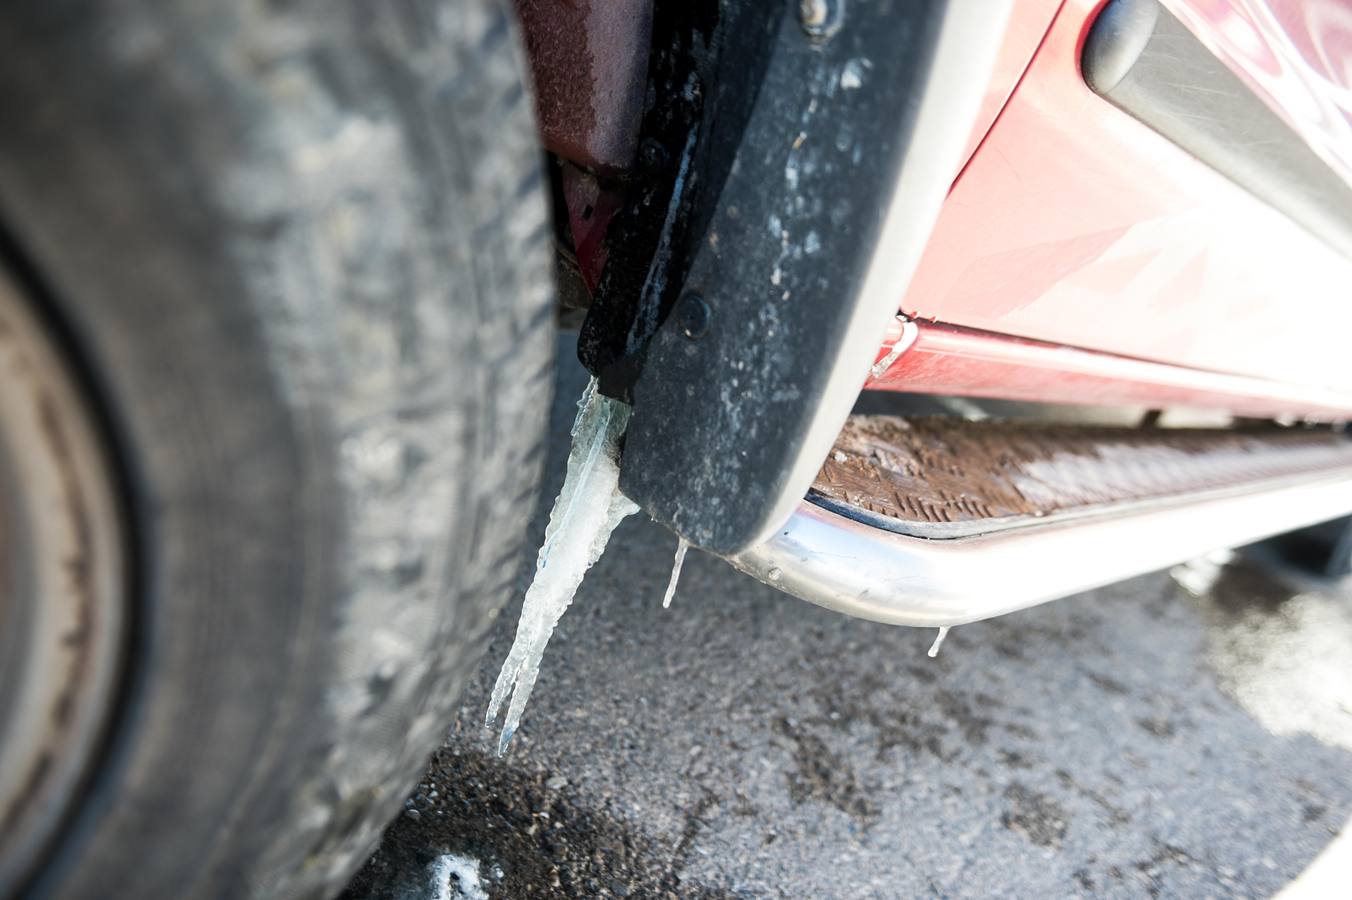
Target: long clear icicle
[(587, 510)]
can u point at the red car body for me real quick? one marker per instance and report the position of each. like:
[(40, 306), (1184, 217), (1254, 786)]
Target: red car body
[(1074, 225)]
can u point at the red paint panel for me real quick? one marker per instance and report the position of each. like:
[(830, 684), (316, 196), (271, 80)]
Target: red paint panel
[(1028, 24), (1077, 225), (963, 362), (590, 209)]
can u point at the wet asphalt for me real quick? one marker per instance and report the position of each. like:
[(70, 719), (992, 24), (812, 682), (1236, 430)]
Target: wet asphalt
[(1176, 735)]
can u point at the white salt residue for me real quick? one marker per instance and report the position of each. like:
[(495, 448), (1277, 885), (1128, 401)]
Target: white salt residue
[(852, 75), (938, 641), (681, 546), (456, 877), (586, 511)]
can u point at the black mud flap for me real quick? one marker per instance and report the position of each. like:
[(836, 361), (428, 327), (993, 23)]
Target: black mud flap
[(855, 136)]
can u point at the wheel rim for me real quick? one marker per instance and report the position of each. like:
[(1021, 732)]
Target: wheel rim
[(62, 588)]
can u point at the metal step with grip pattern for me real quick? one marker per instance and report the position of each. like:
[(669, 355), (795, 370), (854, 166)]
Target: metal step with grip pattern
[(938, 521)]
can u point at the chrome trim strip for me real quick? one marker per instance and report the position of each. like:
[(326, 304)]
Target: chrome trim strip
[(909, 332), (872, 574)]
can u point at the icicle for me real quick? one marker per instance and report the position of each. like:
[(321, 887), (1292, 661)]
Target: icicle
[(587, 510), (682, 545), (938, 641)]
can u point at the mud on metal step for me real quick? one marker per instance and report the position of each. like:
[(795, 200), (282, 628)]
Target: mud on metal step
[(939, 521)]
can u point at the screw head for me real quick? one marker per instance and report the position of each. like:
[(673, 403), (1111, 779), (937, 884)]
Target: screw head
[(821, 18), (652, 156), (692, 315)]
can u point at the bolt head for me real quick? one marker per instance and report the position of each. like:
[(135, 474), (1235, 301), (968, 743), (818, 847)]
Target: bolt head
[(692, 315), (820, 18), (812, 12), (652, 156)]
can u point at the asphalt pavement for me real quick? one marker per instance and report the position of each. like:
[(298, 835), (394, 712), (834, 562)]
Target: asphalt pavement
[(1184, 734)]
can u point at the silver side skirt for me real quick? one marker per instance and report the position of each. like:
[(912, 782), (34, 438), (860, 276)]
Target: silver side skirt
[(883, 576)]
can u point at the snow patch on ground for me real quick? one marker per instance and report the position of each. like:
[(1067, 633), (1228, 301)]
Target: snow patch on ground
[(456, 877)]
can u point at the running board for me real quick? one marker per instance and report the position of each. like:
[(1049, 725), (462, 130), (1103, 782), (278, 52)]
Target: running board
[(936, 521)]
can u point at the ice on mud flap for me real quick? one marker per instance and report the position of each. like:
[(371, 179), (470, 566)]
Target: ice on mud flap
[(587, 510)]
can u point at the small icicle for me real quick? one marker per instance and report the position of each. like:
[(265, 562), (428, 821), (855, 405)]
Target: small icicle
[(938, 641), (682, 545)]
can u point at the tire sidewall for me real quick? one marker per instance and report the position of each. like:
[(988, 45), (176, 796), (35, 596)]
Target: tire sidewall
[(317, 309)]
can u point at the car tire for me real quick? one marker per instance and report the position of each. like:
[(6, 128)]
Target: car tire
[(297, 254)]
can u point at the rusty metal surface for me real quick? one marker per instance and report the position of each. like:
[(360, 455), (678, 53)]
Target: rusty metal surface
[(589, 59), (945, 477)]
